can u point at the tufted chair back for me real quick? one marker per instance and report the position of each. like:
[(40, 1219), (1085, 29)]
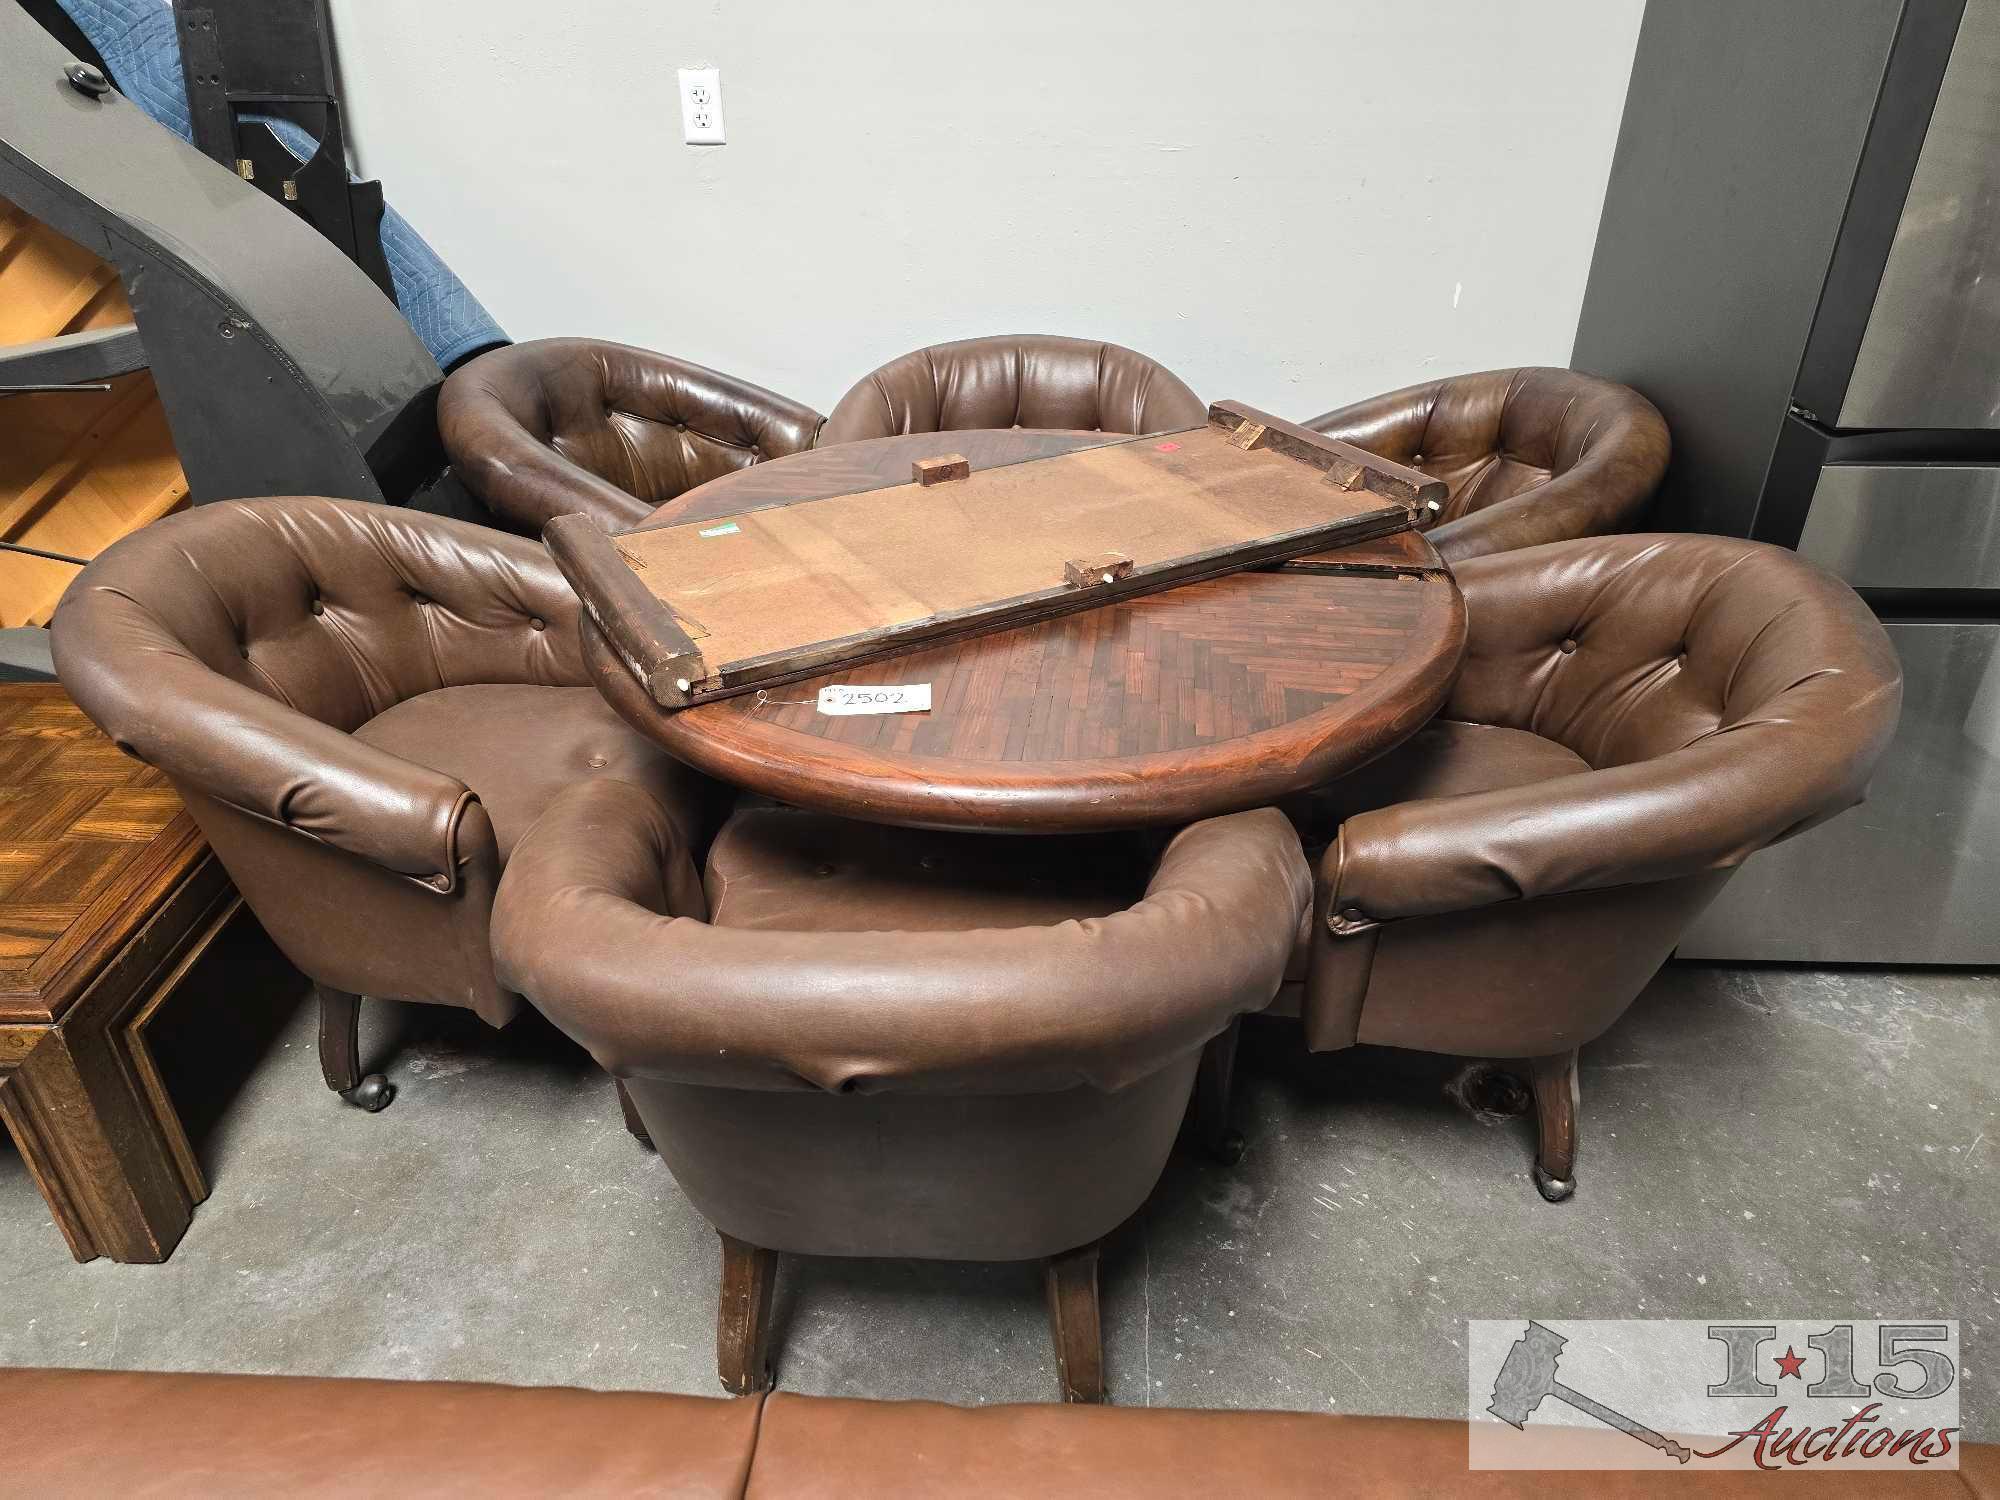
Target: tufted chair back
[(1725, 694), (238, 645), (337, 609), (1529, 456), (1023, 380), (546, 428)]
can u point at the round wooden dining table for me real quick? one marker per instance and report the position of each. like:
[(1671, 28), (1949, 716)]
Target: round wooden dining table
[(1207, 698)]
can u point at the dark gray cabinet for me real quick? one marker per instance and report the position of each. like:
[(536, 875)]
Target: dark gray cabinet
[(1799, 261)]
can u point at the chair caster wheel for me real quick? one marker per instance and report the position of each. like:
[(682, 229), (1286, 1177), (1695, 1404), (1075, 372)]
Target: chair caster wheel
[(1227, 1150), (1555, 1189), (373, 1094)]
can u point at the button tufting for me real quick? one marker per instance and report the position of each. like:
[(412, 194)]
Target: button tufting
[(417, 598), (538, 623), (316, 607), (822, 870), (598, 762), (1568, 646), (929, 862)]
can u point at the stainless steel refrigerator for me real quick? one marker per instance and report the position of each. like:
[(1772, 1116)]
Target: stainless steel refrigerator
[(1799, 261)]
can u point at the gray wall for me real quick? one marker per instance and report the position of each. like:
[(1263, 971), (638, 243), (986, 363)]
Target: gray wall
[(1291, 204)]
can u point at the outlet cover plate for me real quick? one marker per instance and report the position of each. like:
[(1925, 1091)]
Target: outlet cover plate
[(701, 106)]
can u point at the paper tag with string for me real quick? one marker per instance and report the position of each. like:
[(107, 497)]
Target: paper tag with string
[(876, 698)]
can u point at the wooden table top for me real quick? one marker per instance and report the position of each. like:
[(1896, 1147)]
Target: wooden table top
[(1205, 699), (90, 840)]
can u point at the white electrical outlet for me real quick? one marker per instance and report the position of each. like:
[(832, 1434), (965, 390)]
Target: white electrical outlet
[(701, 106)]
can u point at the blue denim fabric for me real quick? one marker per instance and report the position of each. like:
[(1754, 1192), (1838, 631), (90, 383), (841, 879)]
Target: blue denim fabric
[(137, 42)]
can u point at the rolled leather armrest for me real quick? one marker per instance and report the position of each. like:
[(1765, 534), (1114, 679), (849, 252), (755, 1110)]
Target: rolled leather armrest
[(560, 488), (275, 763), (598, 922), (1708, 806)]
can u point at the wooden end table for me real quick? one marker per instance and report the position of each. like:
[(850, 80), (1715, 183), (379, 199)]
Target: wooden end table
[(1206, 699), (108, 894)]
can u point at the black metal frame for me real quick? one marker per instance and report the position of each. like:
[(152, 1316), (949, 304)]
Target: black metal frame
[(276, 57), (1911, 82), (282, 368)]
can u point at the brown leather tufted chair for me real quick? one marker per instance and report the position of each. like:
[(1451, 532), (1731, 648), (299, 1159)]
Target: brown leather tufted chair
[(1530, 456), (542, 429), (1021, 380), (1636, 716), (364, 708), (859, 1040)]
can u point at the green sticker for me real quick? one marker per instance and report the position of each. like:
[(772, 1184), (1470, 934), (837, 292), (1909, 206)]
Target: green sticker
[(728, 528)]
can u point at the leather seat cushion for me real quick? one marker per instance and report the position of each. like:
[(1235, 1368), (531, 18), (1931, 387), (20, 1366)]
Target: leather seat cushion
[(780, 869), (517, 745)]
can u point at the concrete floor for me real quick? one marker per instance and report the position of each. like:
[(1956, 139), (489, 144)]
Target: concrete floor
[(1756, 1143)]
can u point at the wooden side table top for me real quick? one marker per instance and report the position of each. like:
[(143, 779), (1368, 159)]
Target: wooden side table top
[(108, 894), (1205, 699), (90, 841)]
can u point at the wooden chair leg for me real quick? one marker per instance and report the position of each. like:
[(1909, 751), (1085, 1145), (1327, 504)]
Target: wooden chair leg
[(743, 1318), (1556, 1100), (1071, 1280), (1214, 1088), (340, 1052), (633, 1123)]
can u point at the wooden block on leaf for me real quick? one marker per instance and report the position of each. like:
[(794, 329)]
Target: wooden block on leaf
[(1093, 572), (1353, 469), (929, 471), (1346, 473)]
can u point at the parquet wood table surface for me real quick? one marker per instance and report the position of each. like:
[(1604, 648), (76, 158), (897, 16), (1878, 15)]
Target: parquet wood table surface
[(108, 894), (1208, 698)]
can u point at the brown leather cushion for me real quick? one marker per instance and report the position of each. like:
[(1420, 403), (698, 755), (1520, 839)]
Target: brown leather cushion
[(92, 1433), (809, 1447), (516, 746), (790, 871)]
